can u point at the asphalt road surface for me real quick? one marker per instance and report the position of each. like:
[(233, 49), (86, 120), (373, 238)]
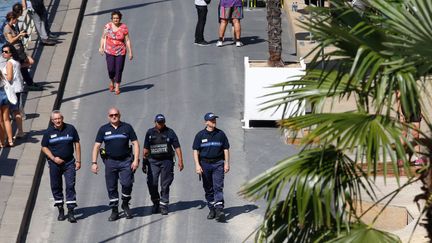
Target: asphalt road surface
[(172, 76)]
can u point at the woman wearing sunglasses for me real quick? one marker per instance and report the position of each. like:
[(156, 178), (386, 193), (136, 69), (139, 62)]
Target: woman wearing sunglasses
[(12, 73)]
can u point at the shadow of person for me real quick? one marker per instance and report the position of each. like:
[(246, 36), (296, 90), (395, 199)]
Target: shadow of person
[(231, 212), (82, 213), (174, 207), (185, 205), (141, 211), (251, 40), (127, 88)]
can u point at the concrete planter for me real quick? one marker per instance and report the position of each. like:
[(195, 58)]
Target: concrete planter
[(258, 78)]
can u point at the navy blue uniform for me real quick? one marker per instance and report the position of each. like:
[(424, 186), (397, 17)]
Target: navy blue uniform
[(61, 144), (161, 146), (211, 146), (119, 159)]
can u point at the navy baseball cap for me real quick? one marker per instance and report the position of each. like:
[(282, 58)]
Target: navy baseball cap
[(160, 118), (210, 116)]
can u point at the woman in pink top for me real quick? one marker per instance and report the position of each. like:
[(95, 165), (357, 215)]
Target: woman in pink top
[(115, 39)]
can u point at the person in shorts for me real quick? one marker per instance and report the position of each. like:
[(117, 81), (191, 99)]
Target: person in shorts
[(230, 10)]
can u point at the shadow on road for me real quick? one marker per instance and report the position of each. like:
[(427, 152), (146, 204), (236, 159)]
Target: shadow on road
[(126, 7), (7, 166), (129, 231), (124, 88), (174, 207), (82, 213), (231, 212)]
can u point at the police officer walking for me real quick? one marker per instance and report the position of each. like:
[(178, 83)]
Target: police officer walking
[(119, 161), (58, 144), (211, 155), (158, 160)]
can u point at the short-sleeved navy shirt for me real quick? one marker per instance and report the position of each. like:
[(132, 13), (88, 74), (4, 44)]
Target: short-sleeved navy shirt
[(168, 132), (116, 140), (211, 145), (60, 141)]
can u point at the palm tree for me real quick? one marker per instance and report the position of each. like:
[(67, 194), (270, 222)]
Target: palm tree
[(313, 196), (274, 30)]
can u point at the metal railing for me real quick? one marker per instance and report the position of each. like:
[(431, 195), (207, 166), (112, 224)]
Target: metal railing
[(26, 23)]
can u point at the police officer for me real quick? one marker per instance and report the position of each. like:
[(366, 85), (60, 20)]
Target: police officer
[(211, 155), (118, 159), (159, 145), (58, 143)]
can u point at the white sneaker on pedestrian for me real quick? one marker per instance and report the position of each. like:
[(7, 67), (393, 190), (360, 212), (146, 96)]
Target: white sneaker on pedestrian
[(239, 44), (219, 43)]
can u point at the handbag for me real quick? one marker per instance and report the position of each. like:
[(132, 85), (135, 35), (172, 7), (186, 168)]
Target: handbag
[(10, 92)]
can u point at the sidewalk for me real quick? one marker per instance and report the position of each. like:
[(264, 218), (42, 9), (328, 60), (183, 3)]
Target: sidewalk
[(21, 166)]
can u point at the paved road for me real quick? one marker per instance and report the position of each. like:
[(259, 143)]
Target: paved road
[(168, 75)]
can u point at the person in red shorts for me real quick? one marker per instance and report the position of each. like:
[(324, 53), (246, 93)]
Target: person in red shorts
[(230, 10)]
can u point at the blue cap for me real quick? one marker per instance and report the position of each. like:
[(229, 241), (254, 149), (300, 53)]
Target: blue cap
[(210, 116), (160, 118)]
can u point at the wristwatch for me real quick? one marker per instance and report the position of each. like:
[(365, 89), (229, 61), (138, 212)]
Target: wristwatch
[(94, 163)]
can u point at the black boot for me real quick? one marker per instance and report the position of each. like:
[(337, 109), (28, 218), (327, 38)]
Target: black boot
[(126, 210), (71, 216), (156, 209), (114, 214), (220, 215), (61, 215), (212, 214)]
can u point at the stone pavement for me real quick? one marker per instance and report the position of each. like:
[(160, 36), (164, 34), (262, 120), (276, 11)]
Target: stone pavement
[(20, 166)]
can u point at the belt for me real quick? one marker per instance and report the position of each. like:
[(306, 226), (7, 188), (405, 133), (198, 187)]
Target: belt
[(207, 160), (118, 157)]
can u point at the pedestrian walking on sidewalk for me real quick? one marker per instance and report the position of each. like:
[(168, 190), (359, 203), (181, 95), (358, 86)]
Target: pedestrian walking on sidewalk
[(160, 144), (201, 7), (211, 156), (12, 73), (120, 162), (115, 42), (230, 10), (5, 123), (58, 144)]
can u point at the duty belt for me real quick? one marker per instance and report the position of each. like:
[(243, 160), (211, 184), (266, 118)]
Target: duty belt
[(207, 160), (119, 157)]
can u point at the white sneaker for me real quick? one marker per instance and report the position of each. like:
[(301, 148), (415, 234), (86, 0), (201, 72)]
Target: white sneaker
[(239, 44), (219, 43)]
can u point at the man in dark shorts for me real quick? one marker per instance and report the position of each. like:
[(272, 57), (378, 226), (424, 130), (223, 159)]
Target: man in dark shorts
[(230, 10)]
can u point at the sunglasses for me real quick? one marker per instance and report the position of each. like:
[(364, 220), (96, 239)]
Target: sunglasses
[(113, 115), (7, 52)]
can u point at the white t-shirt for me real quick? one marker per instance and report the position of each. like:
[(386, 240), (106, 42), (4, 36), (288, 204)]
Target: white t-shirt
[(200, 3)]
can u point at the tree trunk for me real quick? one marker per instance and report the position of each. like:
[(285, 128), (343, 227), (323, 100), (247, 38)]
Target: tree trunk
[(274, 28)]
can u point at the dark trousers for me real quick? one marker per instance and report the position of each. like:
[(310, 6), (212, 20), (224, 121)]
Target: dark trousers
[(115, 65), (56, 172), (26, 76), (202, 17), (213, 183), (165, 170), (115, 170)]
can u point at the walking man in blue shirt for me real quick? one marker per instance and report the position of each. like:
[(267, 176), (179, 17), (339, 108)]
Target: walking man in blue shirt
[(58, 144), (211, 156), (120, 163)]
